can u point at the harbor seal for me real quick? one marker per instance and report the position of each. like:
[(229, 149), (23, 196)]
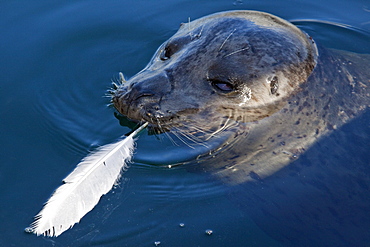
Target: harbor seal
[(249, 73), (270, 93)]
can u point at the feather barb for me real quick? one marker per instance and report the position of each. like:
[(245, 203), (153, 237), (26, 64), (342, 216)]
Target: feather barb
[(82, 189)]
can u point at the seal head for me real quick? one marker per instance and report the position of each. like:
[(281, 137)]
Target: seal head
[(239, 65), (242, 64)]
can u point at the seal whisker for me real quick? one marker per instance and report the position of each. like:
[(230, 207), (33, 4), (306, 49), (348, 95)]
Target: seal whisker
[(189, 28), (232, 53), (166, 133), (109, 93), (191, 138), (197, 139), (207, 134), (163, 130), (223, 43), (227, 124), (177, 134), (224, 127), (121, 78), (171, 139), (114, 85), (199, 129), (200, 33), (186, 136)]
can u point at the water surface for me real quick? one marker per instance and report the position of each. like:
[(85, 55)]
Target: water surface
[(58, 59)]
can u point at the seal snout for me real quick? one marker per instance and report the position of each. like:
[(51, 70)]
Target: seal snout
[(140, 98)]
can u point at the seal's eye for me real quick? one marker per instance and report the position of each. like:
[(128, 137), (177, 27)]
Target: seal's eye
[(224, 87), (173, 46), (166, 53)]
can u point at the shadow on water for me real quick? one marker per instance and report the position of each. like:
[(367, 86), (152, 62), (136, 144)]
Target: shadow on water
[(321, 199)]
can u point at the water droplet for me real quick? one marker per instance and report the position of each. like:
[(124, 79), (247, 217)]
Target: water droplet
[(28, 230)]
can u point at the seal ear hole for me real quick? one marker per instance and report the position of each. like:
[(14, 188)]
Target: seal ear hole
[(274, 85)]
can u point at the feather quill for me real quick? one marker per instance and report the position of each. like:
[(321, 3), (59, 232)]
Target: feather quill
[(82, 189)]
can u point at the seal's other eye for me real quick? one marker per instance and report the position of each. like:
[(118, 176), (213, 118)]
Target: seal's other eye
[(173, 46), (166, 53), (223, 86)]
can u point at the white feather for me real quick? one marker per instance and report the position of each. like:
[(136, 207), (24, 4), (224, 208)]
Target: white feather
[(93, 177)]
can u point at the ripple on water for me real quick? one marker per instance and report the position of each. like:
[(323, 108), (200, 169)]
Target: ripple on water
[(77, 56), (173, 184), (327, 33)]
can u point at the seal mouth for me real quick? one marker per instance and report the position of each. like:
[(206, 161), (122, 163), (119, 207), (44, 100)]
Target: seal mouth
[(157, 126), (134, 107), (184, 128), (141, 108), (152, 128)]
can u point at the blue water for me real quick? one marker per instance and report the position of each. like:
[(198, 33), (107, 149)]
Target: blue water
[(57, 61)]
